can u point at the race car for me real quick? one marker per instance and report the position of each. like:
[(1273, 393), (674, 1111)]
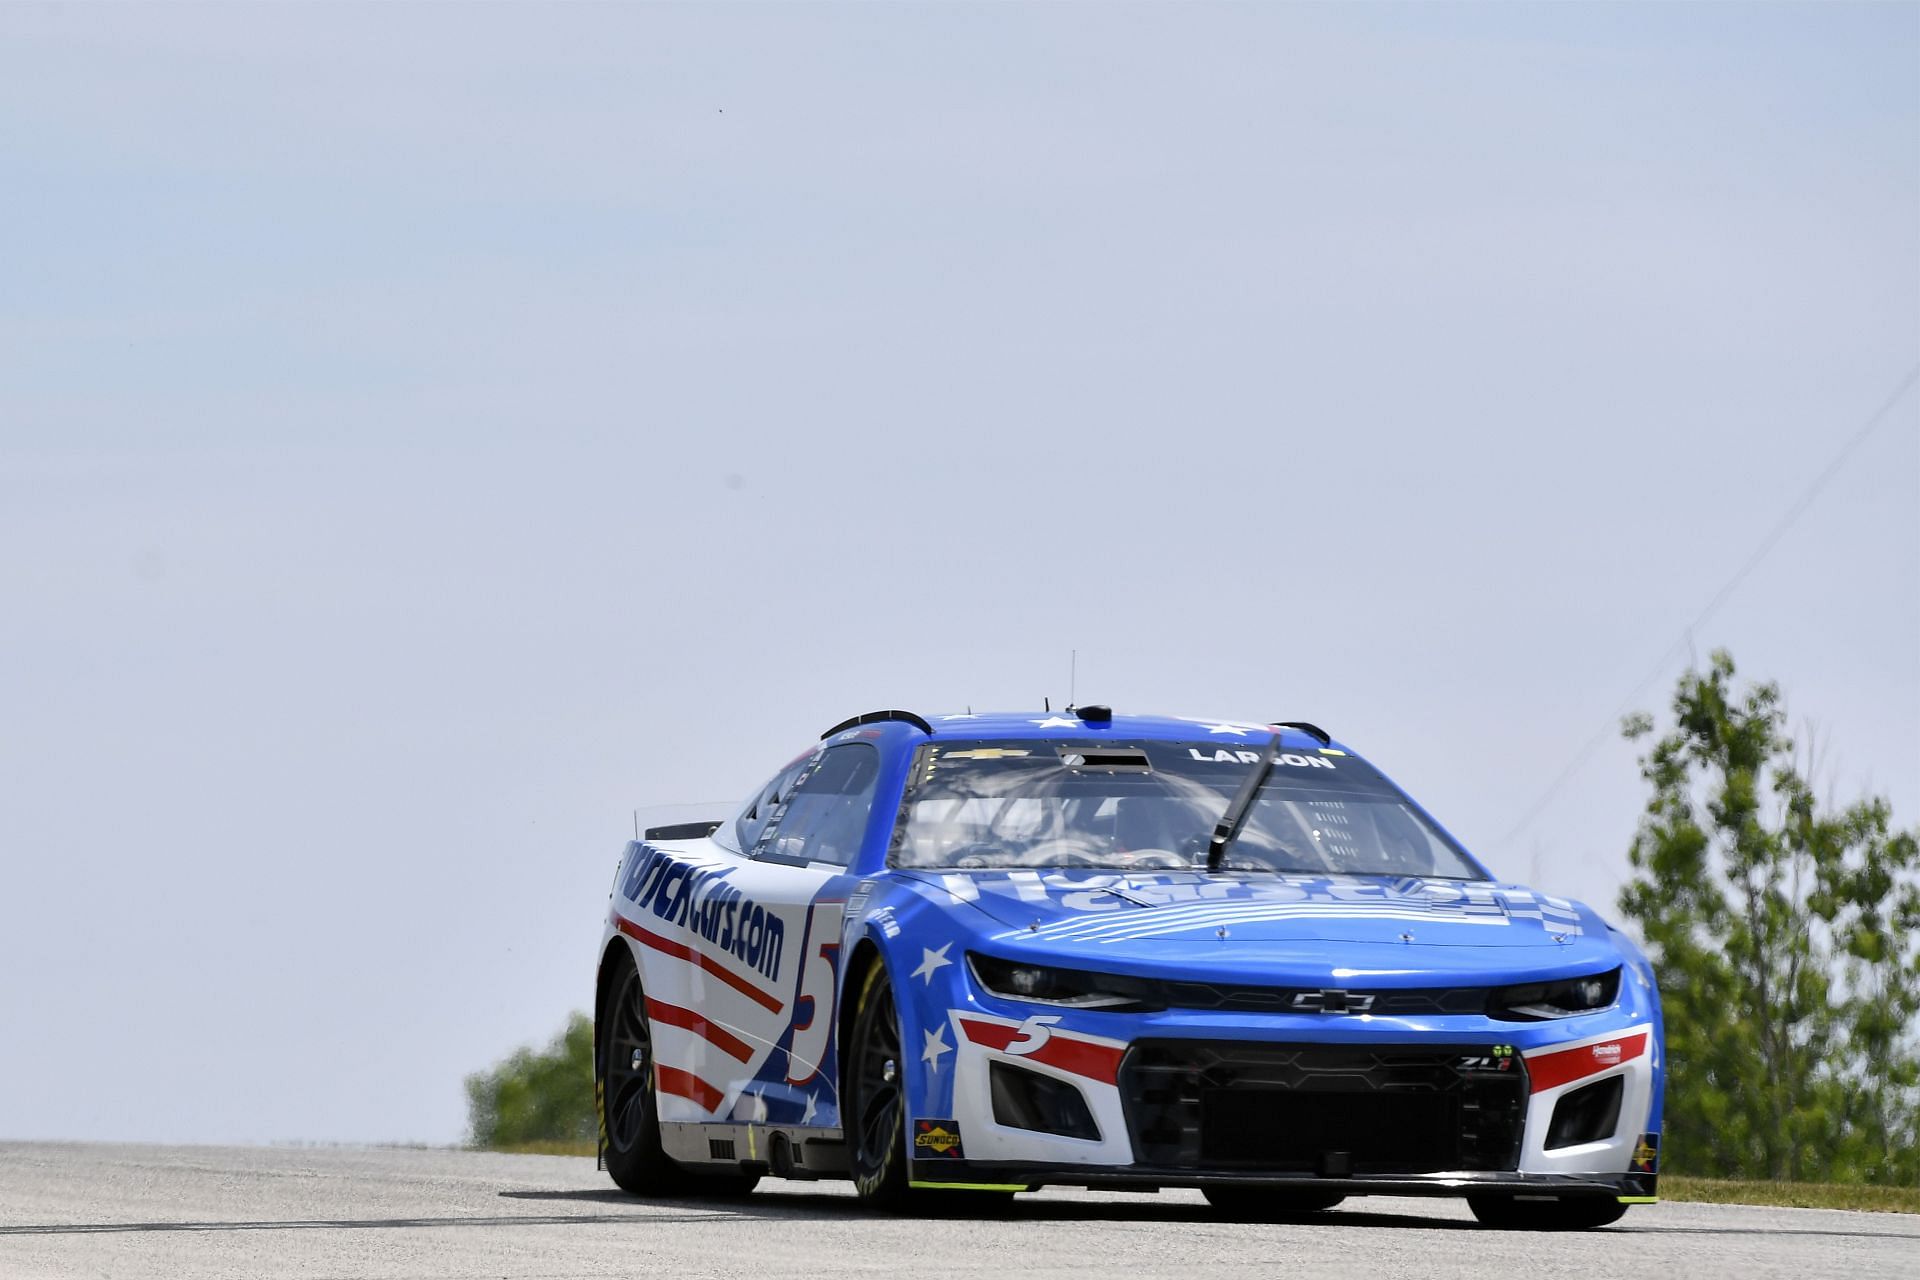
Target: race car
[(987, 953)]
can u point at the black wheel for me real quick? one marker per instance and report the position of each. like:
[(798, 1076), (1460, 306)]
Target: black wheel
[(874, 1096), (875, 1092), (629, 1115), (1269, 1204), (1571, 1214)]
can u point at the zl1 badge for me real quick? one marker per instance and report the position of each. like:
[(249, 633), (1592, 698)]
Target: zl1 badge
[(936, 1140), (1498, 1058)]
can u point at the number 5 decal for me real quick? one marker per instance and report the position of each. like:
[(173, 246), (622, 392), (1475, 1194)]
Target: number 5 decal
[(813, 1010)]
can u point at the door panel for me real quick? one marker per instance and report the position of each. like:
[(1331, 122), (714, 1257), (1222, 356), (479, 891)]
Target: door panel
[(740, 955), (718, 939)]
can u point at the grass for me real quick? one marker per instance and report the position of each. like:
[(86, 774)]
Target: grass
[(1792, 1195)]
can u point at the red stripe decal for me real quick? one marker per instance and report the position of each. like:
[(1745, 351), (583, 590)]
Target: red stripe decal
[(686, 1019), (1094, 1061), (1563, 1066), (990, 1034), (685, 1084), (681, 951)]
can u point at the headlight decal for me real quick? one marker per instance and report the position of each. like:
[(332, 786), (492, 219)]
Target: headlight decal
[(1544, 1001), (1068, 988)]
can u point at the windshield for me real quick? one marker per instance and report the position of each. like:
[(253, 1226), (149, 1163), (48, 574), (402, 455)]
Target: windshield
[(1151, 806)]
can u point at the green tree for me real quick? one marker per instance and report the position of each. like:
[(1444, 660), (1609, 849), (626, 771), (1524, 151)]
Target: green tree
[(535, 1097), (1786, 935)]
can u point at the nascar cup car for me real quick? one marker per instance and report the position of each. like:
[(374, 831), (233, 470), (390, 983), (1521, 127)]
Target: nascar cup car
[(988, 953)]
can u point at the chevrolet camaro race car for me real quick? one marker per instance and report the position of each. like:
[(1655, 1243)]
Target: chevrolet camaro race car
[(988, 953)]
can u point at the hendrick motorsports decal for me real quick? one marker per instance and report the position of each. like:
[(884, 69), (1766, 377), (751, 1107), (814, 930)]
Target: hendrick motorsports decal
[(1550, 1068)]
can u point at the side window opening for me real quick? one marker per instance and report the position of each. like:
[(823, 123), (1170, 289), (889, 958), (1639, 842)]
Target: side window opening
[(766, 802), (826, 813)]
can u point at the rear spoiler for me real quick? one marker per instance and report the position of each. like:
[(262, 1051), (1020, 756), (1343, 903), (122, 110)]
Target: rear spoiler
[(683, 831), (880, 717)]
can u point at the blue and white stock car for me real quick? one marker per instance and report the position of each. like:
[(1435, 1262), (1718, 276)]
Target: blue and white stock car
[(987, 953)]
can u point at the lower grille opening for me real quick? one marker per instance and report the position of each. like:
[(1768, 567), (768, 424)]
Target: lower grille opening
[(1320, 1133), (1329, 1110), (1588, 1114), (1025, 1099)]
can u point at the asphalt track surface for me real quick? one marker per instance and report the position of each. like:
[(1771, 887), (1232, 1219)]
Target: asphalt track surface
[(85, 1210)]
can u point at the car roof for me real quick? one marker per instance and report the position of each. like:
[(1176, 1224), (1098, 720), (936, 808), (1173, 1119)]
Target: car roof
[(971, 725)]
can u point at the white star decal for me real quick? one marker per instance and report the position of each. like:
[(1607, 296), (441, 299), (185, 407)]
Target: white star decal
[(1057, 722), (930, 960), (936, 1045), (1235, 730), (806, 1117)]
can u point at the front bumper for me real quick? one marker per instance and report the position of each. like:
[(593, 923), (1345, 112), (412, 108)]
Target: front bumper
[(1380, 1113)]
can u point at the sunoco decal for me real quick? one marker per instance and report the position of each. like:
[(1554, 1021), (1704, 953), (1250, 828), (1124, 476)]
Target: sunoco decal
[(937, 1140)]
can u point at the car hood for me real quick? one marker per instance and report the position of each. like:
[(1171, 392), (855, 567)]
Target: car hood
[(1312, 926)]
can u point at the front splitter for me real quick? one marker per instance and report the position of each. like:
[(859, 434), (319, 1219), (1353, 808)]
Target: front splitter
[(1634, 1188)]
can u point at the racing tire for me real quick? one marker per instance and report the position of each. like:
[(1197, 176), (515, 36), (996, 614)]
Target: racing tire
[(629, 1109), (875, 1092), (1570, 1214), (874, 1089), (1269, 1204)]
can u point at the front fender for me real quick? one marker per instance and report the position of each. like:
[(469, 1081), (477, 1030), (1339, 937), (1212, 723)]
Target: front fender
[(923, 944)]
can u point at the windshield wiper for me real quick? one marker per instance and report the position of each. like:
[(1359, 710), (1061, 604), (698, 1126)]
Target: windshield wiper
[(1228, 828), (1125, 893)]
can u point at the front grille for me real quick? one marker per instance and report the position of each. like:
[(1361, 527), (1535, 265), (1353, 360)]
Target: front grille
[(1327, 1110), (1232, 998)]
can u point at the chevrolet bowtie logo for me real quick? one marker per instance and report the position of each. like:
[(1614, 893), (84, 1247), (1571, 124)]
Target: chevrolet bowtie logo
[(1331, 1002)]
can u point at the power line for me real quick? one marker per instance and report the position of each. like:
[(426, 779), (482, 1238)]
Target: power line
[(1720, 597)]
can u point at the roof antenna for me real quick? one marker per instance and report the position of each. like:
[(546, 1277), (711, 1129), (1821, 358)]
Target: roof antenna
[(1046, 705), (636, 824), (1073, 672)]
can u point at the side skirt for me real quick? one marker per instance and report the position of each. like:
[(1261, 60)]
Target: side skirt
[(805, 1154)]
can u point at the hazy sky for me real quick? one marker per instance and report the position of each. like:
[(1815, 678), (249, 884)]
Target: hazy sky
[(428, 433)]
